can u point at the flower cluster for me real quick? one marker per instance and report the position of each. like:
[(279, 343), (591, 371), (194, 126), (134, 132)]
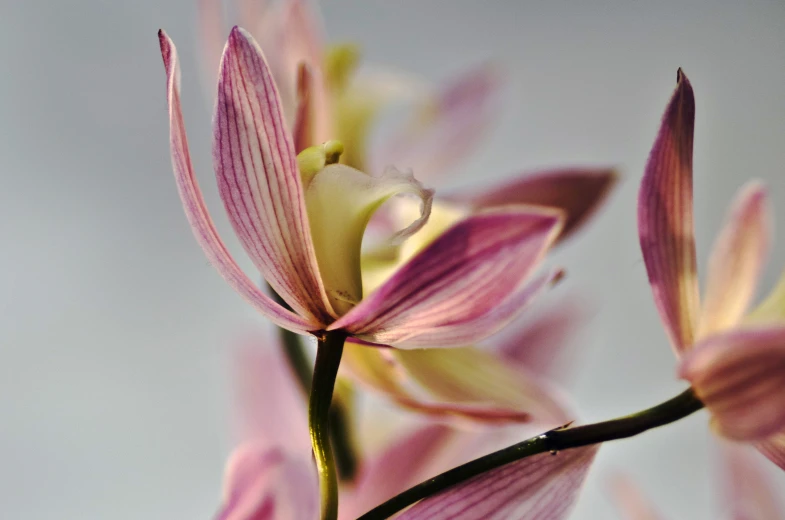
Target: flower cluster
[(419, 296)]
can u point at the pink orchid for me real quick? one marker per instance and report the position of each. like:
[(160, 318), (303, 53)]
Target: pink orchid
[(267, 475), (747, 492), (448, 124), (734, 359), (303, 229)]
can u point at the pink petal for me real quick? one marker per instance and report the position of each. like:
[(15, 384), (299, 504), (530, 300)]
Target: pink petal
[(259, 181), (271, 404), (665, 221), (445, 132), (456, 282), (196, 211), (264, 483), (211, 36), (774, 449), (740, 376), (749, 494), (579, 192), (406, 462), (630, 501), (303, 121), (736, 261), (544, 486)]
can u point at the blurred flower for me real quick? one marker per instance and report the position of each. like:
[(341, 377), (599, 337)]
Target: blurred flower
[(735, 360), (303, 228), (269, 475), (747, 492)]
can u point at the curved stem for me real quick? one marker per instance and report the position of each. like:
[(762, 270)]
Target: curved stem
[(564, 438), (328, 358)]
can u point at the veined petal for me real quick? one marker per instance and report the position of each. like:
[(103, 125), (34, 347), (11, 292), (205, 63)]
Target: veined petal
[(740, 376), (749, 495), (470, 375), (258, 179), (736, 261), (196, 210), (448, 126), (264, 483), (341, 201), (542, 486), (405, 462), (774, 449), (665, 222), (459, 278), (579, 192), (380, 373)]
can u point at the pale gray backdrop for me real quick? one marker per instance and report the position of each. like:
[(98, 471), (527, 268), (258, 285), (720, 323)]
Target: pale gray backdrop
[(114, 329)]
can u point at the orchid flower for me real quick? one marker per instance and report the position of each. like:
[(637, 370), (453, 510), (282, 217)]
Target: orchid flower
[(734, 358), (747, 492), (303, 227), (267, 474)]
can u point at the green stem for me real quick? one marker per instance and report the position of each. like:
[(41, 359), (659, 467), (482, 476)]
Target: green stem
[(328, 358), (672, 410)]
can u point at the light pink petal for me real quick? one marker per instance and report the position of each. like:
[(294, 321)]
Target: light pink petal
[(448, 128), (404, 463), (579, 192), (259, 181), (665, 222), (736, 261), (630, 501), (303, 120), (774, 449), (740, 376), (748, 493), (212, 36), (457, 280), (196, 211), (544, 486), (271, 406), (265, 483)]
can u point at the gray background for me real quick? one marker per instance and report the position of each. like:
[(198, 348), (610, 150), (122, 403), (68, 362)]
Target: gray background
[(114, 330)]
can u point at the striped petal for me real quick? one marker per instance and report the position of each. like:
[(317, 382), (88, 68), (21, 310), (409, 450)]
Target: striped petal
[(579, 192), (341, 201), (774, 449), (543, 486), (736, 261), (264, 483), (196, 211), (258, 179), (456, 281), (740, 376), (749, 494), (665, 222), (447, 128)]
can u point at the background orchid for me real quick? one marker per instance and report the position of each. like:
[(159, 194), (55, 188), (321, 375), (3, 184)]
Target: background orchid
[(735, 363)]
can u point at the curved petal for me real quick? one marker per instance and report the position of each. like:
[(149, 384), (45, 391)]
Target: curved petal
[(447, 128), (748, 493), (630, 501), (470, 375), (264, 483), (771, 309), (542, 486), (341, 201), (579, 192), (258, 179), (774, 449), (736, 261), (212, 36), (458, 279), (196, 211), (380, 373), (740, 376), (665, 222), (405, 462)]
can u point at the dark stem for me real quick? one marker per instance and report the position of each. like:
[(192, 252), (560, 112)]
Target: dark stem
[(340, 421), (672, 410), (328, 359)]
